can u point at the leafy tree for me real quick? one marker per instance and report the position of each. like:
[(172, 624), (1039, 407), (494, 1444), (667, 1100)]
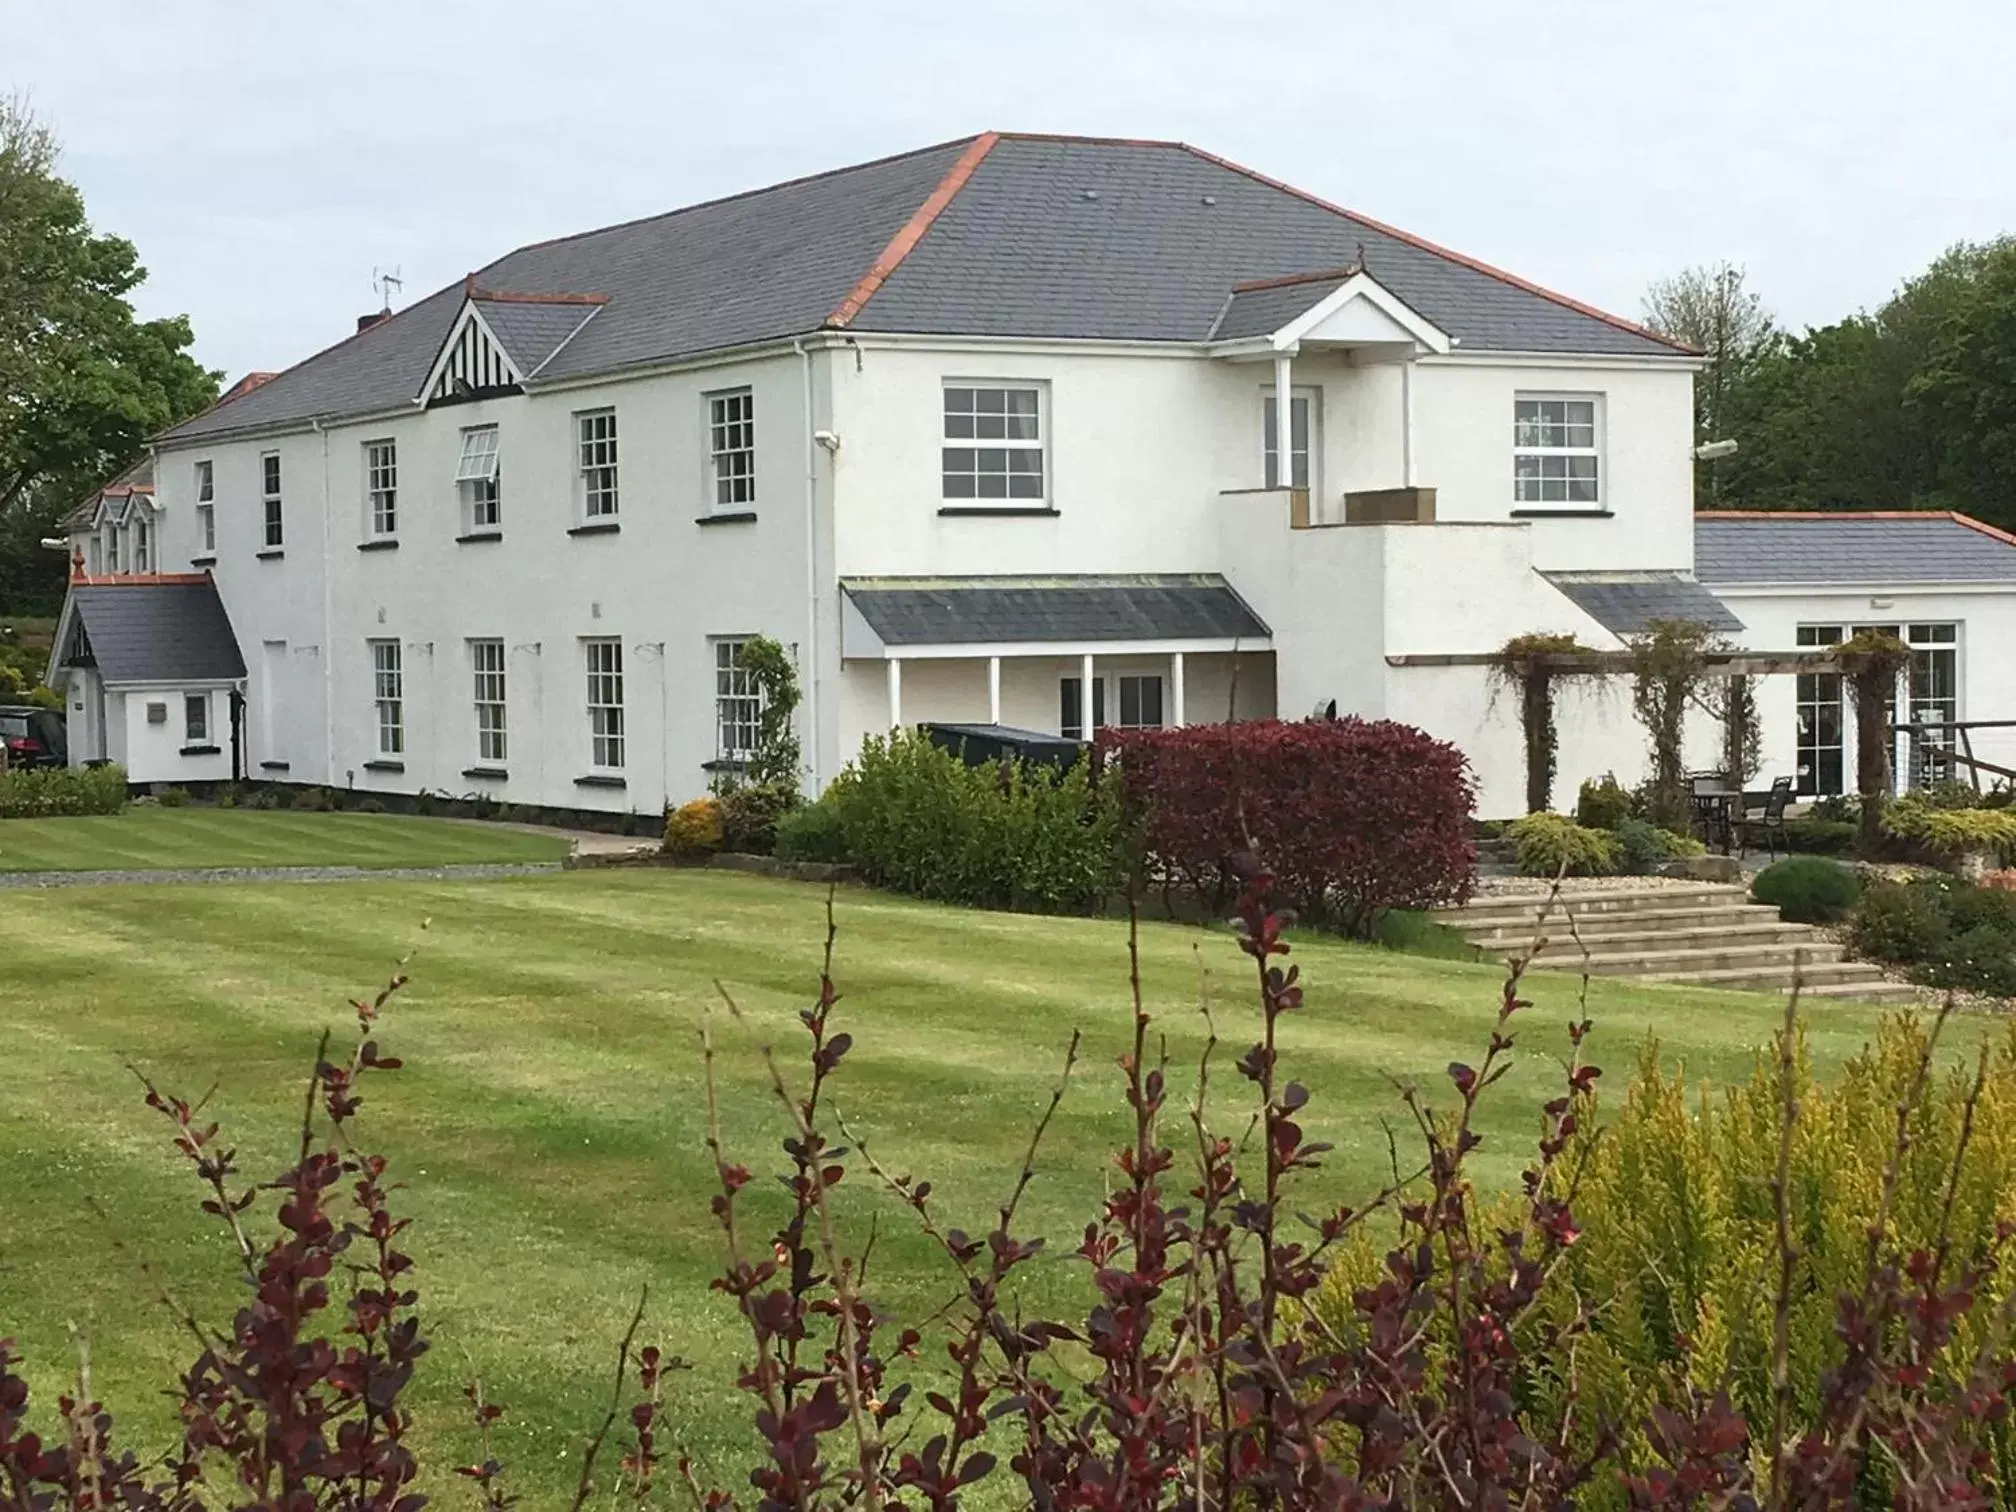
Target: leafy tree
[(1713, 310), (83, 382)]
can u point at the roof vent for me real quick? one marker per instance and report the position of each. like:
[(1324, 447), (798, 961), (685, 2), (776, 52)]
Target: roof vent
[(1089, 194), (1210, 199)]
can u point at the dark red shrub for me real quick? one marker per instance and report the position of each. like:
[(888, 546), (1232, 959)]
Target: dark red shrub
[(1355, 816)]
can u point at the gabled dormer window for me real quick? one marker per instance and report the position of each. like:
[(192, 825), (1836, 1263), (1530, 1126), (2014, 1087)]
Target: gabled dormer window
[(473, 362)]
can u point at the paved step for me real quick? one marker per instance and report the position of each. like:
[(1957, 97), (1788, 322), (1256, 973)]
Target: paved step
[(1814, 976), (1769, 930), (1525, 908), (1612, 926), (1765, 960)]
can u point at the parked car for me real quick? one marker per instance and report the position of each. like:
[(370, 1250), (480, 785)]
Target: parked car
[(35, 737)]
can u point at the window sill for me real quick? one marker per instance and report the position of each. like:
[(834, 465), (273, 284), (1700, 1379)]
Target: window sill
[(203, 561), (479, 535), (275, 766), (597, 527), (488, 773), (600, 780), (202, 750), (738, 517), (384, 766), (1564, 514), (383, 543), (987, 511), (725, 764), (271, 554)]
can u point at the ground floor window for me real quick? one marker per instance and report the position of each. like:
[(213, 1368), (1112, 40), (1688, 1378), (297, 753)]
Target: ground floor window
[(1930, 692), (605, 703), (1070, 718), (1932, 697), (196, 719), (738, 703), (1141, 702), (486, 659), (388, 692), (1820, 719)]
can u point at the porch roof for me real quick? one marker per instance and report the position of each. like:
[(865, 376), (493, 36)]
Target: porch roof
[(1053, 610), (1624, 603), (149, 630)]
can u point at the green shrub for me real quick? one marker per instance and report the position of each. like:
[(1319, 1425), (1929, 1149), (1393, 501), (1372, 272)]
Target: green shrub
[(693, 830), (369, 805), (1001, 835), (1603, 804), (1808, 889), (1981, 959), (812, 832), (749, 815), (1642, 847), (1900, 924), (1412, 932), (1951, 831), (313, 799), (1837, 808), (172, 797), (42, 792), (1821, 837), (1548, 844)]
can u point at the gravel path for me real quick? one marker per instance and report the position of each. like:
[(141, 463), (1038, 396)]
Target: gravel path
[(184, 875)]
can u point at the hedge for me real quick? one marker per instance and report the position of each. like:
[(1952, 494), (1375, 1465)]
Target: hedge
[(1353, 817), (43, 792)]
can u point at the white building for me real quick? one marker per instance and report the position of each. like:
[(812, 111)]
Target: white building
[(988, 431)]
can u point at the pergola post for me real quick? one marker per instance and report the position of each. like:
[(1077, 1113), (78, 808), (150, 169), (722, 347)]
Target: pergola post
[(1175, 688), (1085, 698), (994, 690), (895, 693)]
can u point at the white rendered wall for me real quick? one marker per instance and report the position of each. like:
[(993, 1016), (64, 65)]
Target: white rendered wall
[(154, 752)]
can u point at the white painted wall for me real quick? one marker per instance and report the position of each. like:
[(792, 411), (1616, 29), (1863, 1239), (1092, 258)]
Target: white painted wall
[(159, 752)]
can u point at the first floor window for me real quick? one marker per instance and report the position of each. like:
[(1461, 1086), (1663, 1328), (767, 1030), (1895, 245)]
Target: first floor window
[(1820, 747), (738, 704), (1554, 451), (993, 443), (269, 492), (596, 435), (605, 703), (381, 486), (1070, 708), (1141, 702), (389, 695), (196, 719), (1300, 407), (731, 445), (143, 546), (206, 482), (486, 658), (477, 477), (206, 529)]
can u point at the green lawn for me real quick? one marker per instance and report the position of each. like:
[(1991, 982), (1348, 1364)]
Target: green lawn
[(550, 1119), (150, 839)]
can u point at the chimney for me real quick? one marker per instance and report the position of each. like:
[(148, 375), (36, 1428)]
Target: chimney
[(365, 322)]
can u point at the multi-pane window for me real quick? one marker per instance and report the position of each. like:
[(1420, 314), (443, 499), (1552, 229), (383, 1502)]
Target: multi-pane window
[(108, 535), (1070, 711), (476, 475), (486, 659), (206, 482), (143, 544), (381, 486), (196, 719), (1933, 698), (731, 446), (1141, 702), (388, 694), (206, 529), (993, 443), (738, 703), (269, 493), (1554, 451), (605, 703), (1298, 441), (596, 434), (1820, 744)]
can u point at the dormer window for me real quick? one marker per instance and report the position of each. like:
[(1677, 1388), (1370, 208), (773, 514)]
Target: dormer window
[(476, 477)]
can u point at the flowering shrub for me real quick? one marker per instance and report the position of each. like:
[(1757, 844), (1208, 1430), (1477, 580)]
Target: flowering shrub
[(42, 792), (1356, 817), (694, 829)]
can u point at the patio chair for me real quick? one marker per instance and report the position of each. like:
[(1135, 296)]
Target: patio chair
[(1769, 819), (1714, 808)]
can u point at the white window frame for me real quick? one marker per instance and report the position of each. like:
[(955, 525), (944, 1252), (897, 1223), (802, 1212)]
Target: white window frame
[(143, 542), (963, 460), (598, 485), (273, 518), (479, 480), (1070, 704), (191, 734), (206, 481), (603, 659), (731, 450), (381, 489), (490, 699), (738, 701), (206, 530), (1310, 401), (388, 695), (1547, 452)]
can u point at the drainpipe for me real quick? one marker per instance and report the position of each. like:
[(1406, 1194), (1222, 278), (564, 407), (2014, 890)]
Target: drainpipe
[(811, 565)]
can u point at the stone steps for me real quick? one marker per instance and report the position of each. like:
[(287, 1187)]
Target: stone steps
[(1706, 934)]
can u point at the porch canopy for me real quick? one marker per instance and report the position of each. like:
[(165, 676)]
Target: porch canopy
[(136, 630), (894, 619)]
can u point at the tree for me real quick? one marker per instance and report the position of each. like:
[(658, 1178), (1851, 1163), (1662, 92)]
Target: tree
[(1713, 310), (83, 382)]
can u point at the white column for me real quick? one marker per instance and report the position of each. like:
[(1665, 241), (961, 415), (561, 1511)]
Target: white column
[(1284, 416), (994, 690), (1085, 698), (1175, 688), (1407, 422), (895, 694)]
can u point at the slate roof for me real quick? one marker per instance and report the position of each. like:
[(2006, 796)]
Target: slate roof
[(994, 235), (533, 330), (1262, 311), (1624, 603), (139, 478), (160, 630), (1882, 547), (954, 611)]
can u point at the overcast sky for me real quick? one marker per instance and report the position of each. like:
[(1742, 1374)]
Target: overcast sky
[(267, 155)]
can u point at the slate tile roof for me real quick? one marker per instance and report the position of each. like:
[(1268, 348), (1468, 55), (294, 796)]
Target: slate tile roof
[(159, 630), (1015, 610), (533, 330), (994, 235), (1874, 547), (1262, 310), (1625, 603)]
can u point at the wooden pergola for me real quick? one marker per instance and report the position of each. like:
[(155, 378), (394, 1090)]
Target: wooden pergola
[(1608, 663)]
